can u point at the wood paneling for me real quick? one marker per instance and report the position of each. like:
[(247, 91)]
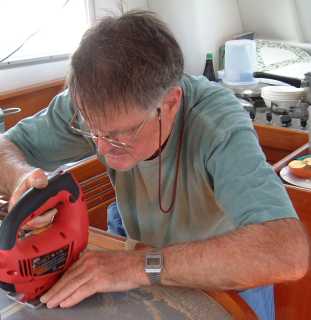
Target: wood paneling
[(279, 142), (98, 191), (98, 197), (30, 100), (87, 169)]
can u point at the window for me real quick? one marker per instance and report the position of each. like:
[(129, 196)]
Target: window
[(40, 30)]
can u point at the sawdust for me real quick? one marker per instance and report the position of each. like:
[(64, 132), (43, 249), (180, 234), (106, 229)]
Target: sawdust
[(152, 303), (10, 310), (191, 303), (172, 301)]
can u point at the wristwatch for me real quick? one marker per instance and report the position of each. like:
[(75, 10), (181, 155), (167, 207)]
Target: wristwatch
[(154, 266)]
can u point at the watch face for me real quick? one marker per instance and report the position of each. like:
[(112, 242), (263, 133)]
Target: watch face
[(153, 261)]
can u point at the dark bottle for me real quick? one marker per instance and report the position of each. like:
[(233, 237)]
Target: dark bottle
[(209, 72)]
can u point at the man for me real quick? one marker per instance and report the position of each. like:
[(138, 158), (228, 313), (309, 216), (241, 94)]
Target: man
[(190, 177)]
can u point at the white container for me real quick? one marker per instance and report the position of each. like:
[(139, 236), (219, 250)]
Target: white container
[(283, 96), (240, 62), (286, 104), (283, 92)]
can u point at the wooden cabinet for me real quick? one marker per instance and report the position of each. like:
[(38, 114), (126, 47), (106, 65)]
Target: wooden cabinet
[(31, 100), (277, 143), (98, 191)]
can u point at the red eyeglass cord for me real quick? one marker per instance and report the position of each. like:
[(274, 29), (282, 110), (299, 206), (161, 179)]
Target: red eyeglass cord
[(177, 162)]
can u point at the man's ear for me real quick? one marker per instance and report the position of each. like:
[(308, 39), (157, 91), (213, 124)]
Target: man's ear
[(172, 101)]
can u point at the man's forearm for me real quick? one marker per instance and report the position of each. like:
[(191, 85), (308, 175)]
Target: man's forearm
[(254, 255), (13, 166)]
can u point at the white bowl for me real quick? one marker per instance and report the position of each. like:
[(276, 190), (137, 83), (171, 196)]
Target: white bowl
[(286, 104), (281, 98), (283, 93), (283, 90)]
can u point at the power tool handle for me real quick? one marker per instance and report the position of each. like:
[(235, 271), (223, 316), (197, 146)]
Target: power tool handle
[(33, 200)]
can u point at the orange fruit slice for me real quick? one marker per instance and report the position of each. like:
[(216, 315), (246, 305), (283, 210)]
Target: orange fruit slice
[(301, 168)]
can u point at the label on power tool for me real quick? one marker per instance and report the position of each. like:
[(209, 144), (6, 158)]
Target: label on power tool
[(51, 262)]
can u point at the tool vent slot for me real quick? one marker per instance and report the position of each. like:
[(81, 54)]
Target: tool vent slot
[(21, 270), (25, 267), (29, 267), (70, 250)]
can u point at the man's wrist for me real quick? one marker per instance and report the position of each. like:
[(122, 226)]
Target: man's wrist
[(20, 174), (141, 276)]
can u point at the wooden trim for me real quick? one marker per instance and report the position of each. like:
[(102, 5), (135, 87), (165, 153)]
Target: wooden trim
[(280, 138), (87, 169), (31, 100), (277, 143), (97, 189), (104, 240), (30, 89), (234, 304)]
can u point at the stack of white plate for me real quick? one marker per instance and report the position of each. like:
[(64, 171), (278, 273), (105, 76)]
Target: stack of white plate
[(283, 96)]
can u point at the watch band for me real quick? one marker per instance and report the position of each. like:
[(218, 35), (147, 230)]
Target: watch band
[(154, 277)]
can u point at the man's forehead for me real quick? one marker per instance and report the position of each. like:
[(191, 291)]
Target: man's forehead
[(117, 121)]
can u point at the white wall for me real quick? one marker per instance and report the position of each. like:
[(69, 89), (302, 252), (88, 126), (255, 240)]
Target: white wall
[(200, 26), (272, 19), (137, 4), (99, 8), (304, 11)]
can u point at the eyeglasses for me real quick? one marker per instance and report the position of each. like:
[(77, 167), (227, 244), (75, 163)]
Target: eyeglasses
[(131, 134)]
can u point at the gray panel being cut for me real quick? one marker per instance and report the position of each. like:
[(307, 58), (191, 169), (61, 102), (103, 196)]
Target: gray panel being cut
[(150, 303)]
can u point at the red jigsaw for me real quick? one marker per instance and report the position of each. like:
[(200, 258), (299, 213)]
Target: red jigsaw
[(29, 266)]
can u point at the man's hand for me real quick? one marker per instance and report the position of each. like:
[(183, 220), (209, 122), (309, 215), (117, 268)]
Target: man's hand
[(34, 179), (97, 271)]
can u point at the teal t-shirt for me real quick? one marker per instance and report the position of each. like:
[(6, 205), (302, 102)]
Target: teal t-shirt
[(224, 181)]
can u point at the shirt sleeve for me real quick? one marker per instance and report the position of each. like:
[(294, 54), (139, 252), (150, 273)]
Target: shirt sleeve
[(245, 185), (46, 138)]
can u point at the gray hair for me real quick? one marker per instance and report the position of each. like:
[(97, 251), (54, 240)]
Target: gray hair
[(123, 62)]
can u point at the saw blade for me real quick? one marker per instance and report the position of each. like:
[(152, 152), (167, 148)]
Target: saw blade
[(18, 298)]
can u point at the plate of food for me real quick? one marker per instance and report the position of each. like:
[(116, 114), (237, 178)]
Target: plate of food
[(298, 172)]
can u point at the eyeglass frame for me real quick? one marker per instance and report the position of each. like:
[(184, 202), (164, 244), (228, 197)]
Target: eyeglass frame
[(113, 142)]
